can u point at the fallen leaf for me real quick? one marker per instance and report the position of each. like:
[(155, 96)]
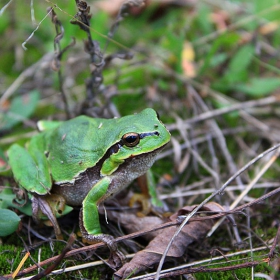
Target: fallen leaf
[(133, 223), (151, 255)]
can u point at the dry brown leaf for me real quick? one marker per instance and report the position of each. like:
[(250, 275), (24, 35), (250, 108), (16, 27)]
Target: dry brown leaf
[(192, 232), (133, 223)]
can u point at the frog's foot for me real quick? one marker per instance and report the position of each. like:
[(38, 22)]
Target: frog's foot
[(144, 202), (117, 258), (41, 205)]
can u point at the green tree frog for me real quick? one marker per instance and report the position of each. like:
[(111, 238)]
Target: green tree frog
[(84, 161)]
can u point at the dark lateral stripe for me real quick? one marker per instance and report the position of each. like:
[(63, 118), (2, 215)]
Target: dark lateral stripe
[(143, 135)]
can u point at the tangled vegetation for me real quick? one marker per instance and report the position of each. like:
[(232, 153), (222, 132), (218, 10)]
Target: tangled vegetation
[(211, 71)]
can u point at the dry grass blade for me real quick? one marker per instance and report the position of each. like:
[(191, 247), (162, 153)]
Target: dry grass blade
[(187, 267)]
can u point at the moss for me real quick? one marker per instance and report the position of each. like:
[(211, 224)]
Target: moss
[(11, 256)]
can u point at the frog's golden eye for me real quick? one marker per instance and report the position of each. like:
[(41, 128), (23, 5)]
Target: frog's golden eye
[(131, 139)]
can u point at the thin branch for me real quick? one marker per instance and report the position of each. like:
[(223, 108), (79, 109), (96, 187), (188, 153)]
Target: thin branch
[(231, 108), (27, 73), (2, 10), (32, 34), (247, 189)]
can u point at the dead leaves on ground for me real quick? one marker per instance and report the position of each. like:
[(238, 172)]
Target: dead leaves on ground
[(151, 255), (160, 231)]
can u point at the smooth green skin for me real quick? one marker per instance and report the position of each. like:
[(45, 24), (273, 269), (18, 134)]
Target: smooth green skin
[(64, 150)]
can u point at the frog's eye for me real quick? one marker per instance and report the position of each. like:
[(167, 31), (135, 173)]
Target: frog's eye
[(131, 139)]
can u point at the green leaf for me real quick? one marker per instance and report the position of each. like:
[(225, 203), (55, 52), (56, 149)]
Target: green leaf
[(9, 222), (224, 42), (260, 6), (259, 87), (3, 161), (21, 108), (241, 59), (204, 12), (218, 59), (238, 64)]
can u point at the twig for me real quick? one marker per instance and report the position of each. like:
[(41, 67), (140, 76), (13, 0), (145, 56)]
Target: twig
[(220, 137), (195, 154), (57, 260), (235, 107), (30, 71), (56, 65), (188, 265), (275, 241), (93, 30), (247, 189), (32, 34), (211, 190), (123, 11), (2, 10), (205, 269)]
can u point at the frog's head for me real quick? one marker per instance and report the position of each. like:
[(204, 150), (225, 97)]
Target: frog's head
[(140, 136)]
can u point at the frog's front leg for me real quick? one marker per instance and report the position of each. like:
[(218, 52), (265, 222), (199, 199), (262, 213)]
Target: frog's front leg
[(89, 218)]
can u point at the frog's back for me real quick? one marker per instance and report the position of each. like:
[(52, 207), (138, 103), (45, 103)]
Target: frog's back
[(73, 147)]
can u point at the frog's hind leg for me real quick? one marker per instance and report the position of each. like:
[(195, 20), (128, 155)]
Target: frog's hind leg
[(39, 203)]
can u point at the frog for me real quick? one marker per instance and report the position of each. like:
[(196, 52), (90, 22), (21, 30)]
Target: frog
[(84, 161)]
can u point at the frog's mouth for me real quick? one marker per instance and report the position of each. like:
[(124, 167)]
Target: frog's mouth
[(140, 163)]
